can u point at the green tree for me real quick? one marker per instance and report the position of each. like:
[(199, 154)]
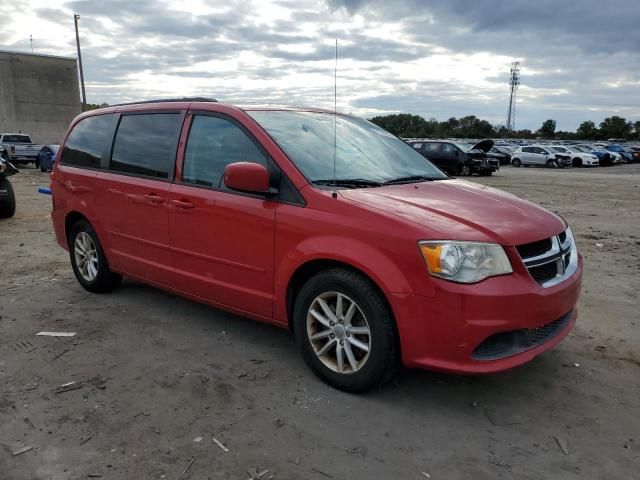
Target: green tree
[(94, 106), (615, 127), (587, 130), (636, 128), (548, 129)]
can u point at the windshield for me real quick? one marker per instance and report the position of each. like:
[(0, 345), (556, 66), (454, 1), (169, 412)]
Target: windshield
[(363, 150)]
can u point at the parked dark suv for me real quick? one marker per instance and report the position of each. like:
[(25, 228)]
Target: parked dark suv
[(457, 158)]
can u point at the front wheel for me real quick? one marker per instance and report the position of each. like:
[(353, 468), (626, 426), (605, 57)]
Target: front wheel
[(464, 170), (88, 260), (577, 162), (550, 164), (7, 199), (345, 330)]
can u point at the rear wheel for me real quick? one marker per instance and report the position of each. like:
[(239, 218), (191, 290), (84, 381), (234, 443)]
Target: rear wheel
[(88, 260), (345, 330), (516, 162), (7, 199)]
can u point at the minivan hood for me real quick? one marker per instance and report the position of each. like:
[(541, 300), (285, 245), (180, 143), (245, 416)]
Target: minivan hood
[(459, 210)]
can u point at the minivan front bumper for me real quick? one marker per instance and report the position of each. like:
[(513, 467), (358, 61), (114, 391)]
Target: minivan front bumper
[(487, 327)]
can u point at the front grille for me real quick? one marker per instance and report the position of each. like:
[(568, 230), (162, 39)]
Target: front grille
[(540, 334), (506, 344), (545, 272), (551, 260), (534, 249)]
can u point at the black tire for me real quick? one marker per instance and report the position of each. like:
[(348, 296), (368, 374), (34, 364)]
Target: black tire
[(516, 162), (550, 164), (382, 361), (8, 199), (105, 280), (464, 170), (576, 162)]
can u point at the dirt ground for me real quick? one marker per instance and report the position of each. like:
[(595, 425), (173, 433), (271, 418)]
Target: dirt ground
[(161, 377)]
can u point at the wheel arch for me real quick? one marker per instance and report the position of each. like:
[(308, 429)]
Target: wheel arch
[(311, 268), (70, 220)]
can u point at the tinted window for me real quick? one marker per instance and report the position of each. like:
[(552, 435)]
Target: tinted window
[(146, 144), (16, 139), (87, 141), (448, 148), (213, 144), (528, 150), (432, 147)]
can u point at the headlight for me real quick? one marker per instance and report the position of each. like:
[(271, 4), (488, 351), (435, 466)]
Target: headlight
[(465, 262)]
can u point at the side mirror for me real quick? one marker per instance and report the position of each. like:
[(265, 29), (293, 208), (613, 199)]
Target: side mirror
[(248, 177)]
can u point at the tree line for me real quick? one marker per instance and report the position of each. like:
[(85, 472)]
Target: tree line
[(415, 126)]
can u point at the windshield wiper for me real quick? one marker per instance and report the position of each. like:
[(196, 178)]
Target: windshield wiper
[(349, 182), (411, 179)]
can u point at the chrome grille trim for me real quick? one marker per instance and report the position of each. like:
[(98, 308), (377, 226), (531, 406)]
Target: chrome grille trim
[(563, 253)]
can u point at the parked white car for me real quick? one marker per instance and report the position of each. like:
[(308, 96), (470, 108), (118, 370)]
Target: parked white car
[(541, 155), (578, 158)]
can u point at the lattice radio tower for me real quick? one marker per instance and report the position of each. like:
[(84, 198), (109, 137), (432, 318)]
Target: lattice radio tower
[(514, 81)]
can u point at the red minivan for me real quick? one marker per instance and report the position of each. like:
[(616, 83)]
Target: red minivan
[(321, 223)]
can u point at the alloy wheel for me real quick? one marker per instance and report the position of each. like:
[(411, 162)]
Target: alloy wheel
[(338, 332), (86, 256)]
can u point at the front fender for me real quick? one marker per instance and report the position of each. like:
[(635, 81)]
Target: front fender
[(369, 259)]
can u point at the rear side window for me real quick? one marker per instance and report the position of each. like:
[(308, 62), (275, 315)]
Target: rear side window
[(417, 146), (528, 150), (213, 144), (87, 141), (431, 147), (146, 144)]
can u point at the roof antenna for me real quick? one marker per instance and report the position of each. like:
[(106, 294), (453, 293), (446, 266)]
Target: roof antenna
[(335, 121)]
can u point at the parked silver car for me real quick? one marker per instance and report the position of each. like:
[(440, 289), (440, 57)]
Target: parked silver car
[(541, 155)]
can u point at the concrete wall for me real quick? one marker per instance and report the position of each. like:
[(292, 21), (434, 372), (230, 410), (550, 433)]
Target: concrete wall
[(39, 95)]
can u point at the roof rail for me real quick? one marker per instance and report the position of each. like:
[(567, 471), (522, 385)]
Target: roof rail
[(168, 100)]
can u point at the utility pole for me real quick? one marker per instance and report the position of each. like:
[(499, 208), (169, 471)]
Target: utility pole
[(31, 42), (76, 17), (514, 81)]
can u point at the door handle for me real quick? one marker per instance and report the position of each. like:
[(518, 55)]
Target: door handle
[(154, 198), (185, 204)]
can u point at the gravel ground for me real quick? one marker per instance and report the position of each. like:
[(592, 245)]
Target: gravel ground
[(159, 379)]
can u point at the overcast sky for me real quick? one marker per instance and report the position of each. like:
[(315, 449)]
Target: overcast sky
[(580, 59)]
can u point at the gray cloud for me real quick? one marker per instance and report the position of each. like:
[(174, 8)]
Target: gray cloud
[(579, 61)]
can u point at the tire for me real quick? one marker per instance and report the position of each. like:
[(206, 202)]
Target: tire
[(83, 236), (464, 170), (374, 366), (550, 164), (576, 162), (516, 162), (8, 202), (36, 163)]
